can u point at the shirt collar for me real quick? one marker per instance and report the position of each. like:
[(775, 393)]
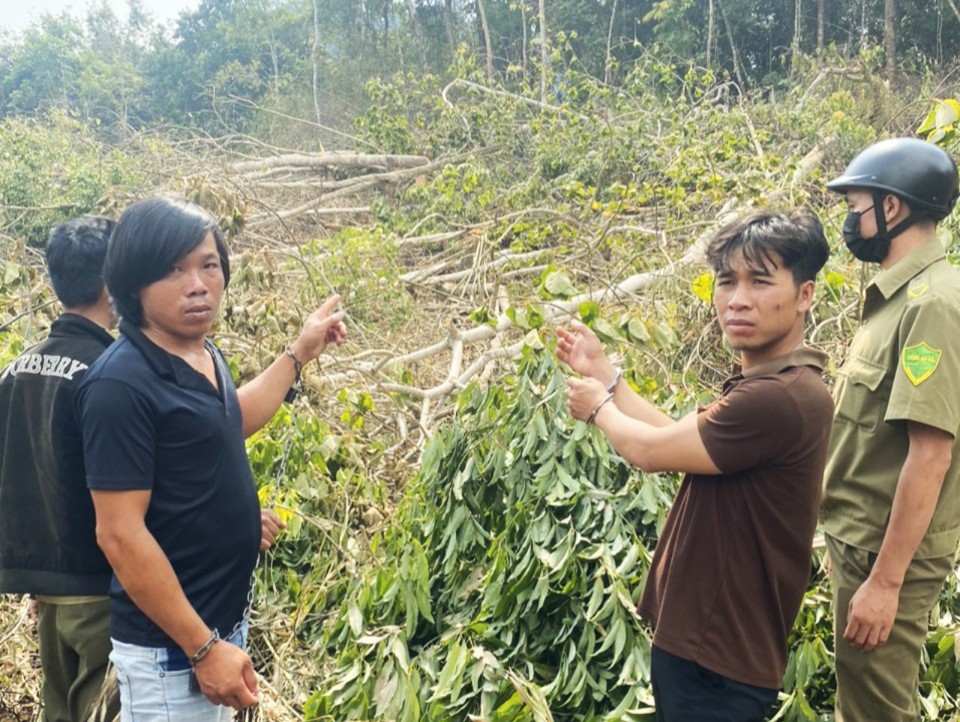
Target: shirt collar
[(168, 366), (891, 280), (804, 356), (72, 324), (159, 360)]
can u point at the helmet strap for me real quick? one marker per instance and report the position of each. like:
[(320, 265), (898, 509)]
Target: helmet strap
[(882, 232)]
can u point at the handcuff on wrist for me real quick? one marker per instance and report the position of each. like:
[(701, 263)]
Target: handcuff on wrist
[(205, 648), (297, 382), (611, 387), (593, 414)]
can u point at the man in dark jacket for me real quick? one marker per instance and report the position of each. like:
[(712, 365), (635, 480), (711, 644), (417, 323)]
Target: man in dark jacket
[(48, 544)]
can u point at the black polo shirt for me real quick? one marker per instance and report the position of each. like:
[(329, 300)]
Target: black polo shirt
[(151, 421)]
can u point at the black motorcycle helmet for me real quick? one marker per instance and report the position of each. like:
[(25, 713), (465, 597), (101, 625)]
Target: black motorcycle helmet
[(920, 173)]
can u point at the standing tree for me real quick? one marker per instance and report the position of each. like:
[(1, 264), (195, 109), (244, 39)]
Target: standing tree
[(741, 81), (544, 51), (890, 36), (449, 23), (488, 46), (711, 20), (418, 34), (820, 23), (607, 64), (797, 34), (314, 60)]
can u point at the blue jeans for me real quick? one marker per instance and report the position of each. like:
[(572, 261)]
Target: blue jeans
[(155, 684)]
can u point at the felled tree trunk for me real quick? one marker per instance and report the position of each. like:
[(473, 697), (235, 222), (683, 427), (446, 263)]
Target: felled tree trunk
[(332, 159)]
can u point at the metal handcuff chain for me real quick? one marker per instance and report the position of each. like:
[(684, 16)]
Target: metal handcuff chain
[(271, 503)]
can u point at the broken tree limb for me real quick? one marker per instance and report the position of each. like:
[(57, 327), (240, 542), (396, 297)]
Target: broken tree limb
[(346, 159), (540, 105), (503, 344), (360, 184)]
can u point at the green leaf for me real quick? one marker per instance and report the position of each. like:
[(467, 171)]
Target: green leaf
[(355, 619), (664, 336), (551, 560), (535, 316), (11, 273), (629, 561), (596, 597), (533, 340), (835, 280), (606, 330), (929, 123), (948, 112), (517, 316), (452, 670), (558, 284), (525, 318), (481, 316), (589, 311), (399, 649), (638, 330), (385, 690)]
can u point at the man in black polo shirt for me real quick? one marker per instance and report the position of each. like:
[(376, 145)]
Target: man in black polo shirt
[(163, 425), (48, 547), (733, 559)]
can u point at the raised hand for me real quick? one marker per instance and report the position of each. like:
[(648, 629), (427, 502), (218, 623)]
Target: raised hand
[(579, 348), (322, 327)]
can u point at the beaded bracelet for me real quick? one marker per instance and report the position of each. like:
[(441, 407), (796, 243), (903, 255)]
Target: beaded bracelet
[(204, 650)]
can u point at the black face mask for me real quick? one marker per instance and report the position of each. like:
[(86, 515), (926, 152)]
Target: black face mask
[(870, 250)]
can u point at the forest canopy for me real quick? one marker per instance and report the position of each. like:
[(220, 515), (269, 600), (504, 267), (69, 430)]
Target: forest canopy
[(311, 58)]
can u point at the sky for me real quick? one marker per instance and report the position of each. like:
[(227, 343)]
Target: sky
[(16, 15)]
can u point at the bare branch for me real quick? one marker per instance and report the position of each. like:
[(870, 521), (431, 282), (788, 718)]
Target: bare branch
[(333, 159)]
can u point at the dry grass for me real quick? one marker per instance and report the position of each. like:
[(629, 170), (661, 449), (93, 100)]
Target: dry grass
[(20, 675), (19, 662)]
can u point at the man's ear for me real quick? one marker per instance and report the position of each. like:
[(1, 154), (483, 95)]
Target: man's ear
[(805, 296), (893, 208)]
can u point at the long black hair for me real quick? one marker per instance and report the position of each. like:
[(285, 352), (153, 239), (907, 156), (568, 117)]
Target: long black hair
[(150, 237)]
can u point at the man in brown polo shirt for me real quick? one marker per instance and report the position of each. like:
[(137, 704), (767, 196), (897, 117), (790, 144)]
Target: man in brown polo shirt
[(733, 559)]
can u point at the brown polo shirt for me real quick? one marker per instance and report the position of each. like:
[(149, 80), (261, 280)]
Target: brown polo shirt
[(733, 560)]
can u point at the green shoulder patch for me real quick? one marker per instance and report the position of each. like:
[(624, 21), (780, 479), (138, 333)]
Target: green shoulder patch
[(917, 289), (919, 362)]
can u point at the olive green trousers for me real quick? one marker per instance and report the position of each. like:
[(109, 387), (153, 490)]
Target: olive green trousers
[(882, 685), (74, 650)]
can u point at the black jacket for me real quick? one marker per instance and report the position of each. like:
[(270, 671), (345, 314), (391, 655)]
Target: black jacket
[(47, 524)]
